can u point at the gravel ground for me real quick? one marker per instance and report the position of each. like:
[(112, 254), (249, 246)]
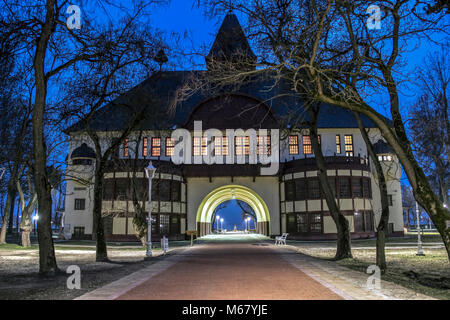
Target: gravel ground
[(19, 277)]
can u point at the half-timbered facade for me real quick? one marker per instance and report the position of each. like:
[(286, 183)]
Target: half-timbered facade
[(290, 199)]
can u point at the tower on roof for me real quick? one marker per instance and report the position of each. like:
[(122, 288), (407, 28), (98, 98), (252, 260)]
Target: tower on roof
[(231, 48)]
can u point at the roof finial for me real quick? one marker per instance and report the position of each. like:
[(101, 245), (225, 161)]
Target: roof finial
[(161, 58)]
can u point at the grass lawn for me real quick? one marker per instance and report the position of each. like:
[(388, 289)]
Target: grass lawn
[(429, 275)]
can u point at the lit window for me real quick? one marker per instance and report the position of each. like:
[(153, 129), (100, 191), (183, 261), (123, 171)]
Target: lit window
[(170, 146), (125, 148), (293, 144), (338, 143), (307, 148), (348, 139), (145, 147), (221, 146), (156, 147), (242, 145), (197, 146), (263, 145)]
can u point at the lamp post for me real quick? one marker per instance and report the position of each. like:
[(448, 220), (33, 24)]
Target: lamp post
[(150, 173), (217, 223), (419, 240), (248, 224), (35, 219), (221, 224)]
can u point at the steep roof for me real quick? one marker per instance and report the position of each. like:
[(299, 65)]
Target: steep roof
[(163, 111), (231, 44)]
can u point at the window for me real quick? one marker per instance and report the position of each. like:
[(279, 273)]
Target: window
[(145, 147), (344, 188), (385, 158), (390, 200), (170, 146), (200, 146), (367, 190), (156, 147), (358, 221), (302, 223), (221, 146), (263, 145), (174, 225), (164, 190), (176, 191), (78, 231), (293, 145), (291, 225), (313, 189), (289, 190), (356, 188), (300, 189), (368, 220), (80, 204), (164, 224), (315, 222), (348, 139), (338, 143), (307, 147), (242, 145), (125, 148)]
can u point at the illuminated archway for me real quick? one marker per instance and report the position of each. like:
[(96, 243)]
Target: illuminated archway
[(229, 192)]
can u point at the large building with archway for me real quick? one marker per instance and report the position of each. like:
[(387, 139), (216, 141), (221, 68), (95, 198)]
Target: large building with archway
[(261, 155)]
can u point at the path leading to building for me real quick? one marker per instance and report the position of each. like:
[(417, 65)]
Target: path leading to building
[(244, 267)]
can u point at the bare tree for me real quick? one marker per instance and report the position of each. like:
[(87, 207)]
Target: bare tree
[(328, 50), (429, 123)]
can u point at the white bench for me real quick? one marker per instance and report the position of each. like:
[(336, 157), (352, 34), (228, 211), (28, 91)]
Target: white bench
[(281, 239)]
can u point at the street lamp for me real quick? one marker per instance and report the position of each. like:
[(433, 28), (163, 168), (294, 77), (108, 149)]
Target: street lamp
[(419, 240), (217, 223), (150, 173), (221, 224), (35, 219)]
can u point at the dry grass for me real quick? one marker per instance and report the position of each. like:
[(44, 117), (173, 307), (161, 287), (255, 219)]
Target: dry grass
[(429, 275)]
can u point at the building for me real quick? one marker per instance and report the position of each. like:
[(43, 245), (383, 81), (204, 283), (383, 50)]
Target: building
[(184, 196)]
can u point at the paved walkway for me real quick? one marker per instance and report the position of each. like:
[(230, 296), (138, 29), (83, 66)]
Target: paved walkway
[(249, 269)]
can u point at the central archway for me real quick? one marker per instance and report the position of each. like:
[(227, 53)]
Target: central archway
[(229, 192)]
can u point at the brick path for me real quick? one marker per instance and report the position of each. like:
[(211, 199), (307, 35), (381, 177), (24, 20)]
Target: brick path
[(249, 269), (242, 271)]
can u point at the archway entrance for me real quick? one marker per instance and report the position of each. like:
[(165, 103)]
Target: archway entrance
[(216, 197)]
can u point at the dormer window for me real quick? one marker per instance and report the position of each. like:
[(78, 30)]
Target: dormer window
[(385, 157), (125, 148)]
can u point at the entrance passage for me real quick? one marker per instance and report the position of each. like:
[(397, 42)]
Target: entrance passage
[(222, 194)]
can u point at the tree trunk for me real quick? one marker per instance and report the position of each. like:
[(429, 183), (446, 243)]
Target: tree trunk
[(384, 219), (343, 229), (101, 252), (422, 190), (11, 211), (5, 221), (47, 259)]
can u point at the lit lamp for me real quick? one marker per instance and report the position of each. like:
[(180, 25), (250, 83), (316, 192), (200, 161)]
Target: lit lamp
[(150, 173), (35, 219)]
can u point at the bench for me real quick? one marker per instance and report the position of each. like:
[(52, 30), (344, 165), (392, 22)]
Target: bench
[(281, 239)]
